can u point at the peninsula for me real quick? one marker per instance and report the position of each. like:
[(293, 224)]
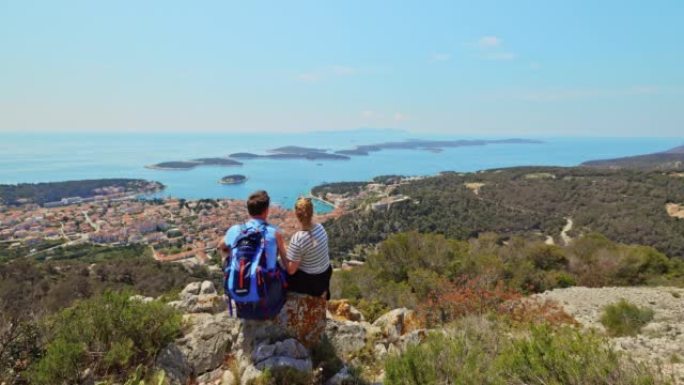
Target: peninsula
[(670, 160), (76, 191)]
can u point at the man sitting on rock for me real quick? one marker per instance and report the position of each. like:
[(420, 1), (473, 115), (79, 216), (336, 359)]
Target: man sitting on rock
[(253, 279)]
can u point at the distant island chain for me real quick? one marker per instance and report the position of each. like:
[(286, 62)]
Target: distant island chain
[(309, 153)]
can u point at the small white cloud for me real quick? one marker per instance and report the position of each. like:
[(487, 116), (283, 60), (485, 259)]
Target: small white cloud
[(440, 57), (489, 41), (492, 48)]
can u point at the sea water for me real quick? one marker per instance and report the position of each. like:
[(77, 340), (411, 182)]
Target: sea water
[(27, 158)]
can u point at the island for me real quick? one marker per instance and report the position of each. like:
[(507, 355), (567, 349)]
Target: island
[(435, 146), (54, 194), (233, 179), (296, 150), (173, 165), (190, 164), (292, 152), (243, 155), (217, 162)]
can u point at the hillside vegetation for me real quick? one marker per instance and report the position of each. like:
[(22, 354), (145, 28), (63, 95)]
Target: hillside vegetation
[(626, 206), (444, 277)]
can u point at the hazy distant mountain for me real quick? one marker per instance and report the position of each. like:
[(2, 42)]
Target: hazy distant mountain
[(672, 159)]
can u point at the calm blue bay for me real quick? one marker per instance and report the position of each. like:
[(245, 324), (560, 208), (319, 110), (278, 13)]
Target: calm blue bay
[(58, 157)]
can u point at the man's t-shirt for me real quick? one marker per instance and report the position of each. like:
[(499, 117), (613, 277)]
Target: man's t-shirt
[(271, 240)]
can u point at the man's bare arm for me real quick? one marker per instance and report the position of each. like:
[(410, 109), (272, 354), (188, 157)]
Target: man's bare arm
[(224, 250)]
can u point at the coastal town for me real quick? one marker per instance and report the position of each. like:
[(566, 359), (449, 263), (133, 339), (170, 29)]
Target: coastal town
[(174, 229)]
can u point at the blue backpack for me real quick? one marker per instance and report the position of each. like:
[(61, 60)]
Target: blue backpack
[(254, 283)]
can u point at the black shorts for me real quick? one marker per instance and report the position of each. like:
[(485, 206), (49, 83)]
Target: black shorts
[(311, 284)]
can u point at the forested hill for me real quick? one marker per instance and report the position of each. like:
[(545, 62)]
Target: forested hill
[(626, 206), (41, 193), (672, 159)]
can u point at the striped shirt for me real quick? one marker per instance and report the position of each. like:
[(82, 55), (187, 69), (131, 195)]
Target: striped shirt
[(310, 249)]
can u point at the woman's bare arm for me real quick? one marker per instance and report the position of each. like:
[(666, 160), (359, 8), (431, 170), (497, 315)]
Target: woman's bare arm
[(290, 266)]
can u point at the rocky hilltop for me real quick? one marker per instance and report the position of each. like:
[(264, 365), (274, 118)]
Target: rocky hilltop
[(216, 348)]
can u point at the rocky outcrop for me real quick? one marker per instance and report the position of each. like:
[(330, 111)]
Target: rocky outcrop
[(397, 323), (216, 347), (304, 316), (342, 310), (200, 297), (202, 348)]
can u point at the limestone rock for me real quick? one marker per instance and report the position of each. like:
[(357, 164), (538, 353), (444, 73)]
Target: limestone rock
[(380, 351), (175, 364), (200, 298), (250, 374), (207, 287), (191, 289), (210, 377), (341, 309), (141, 298), (278, 362), (304, 316), (397, 322), (342, 377), (281, 354), (202, 349), (291, 348), (208, 340), (347, 337), (228, 378)]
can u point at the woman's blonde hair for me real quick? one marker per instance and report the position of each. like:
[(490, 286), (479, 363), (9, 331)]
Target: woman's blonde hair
[(304, 211)]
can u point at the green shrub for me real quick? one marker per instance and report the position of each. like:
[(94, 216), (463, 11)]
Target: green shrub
[(371, 309), (463, 356), (479, 352), (282, 376), (625, 319), (569, 357), (109, 334)]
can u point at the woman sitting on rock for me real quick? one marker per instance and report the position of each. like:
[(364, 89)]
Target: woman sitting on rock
[(307, 262)]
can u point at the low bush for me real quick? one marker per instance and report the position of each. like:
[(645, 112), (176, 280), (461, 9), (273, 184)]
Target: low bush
[(109, 334), (475, 296), (477, 351), (625, 319)]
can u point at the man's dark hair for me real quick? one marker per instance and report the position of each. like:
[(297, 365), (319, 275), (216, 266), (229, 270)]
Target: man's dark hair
[(258, 202)]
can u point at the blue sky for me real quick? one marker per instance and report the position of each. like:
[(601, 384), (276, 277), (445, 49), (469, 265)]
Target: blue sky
[(607, 68)]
